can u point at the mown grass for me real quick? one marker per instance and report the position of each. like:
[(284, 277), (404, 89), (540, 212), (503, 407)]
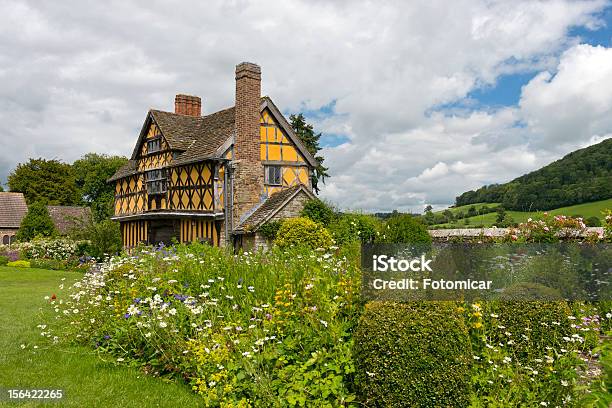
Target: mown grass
[(87, 379), (585, 210)]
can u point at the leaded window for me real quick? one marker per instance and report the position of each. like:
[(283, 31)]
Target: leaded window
[(156, 181), (273, 175)]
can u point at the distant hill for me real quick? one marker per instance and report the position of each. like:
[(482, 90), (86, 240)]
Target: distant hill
[(580, 177)]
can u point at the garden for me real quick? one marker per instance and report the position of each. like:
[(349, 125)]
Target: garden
[(289, 326)]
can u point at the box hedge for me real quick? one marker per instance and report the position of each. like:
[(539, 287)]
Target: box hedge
[(413, 355)]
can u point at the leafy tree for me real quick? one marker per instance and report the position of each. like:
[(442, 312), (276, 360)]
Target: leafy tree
[(37, 222), (45, 180), (501, 214), (405, 229), (319, 211), (428, 208), (92, 171), (449, 215), (311, 141), (1, 188), (472, 211)]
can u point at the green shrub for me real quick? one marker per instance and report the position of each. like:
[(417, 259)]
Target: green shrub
[(530, 291), (592, 222), (270, 229), (354, 228), (534, 326), (105, 238), (37, 222), (19, 264), (303, 232), (3, 260), (413, 355), (405, 229), (318, 211)]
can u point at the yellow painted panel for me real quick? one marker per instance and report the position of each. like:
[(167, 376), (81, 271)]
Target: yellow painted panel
[(174, 177), (206, 174), (289, 153), (303, 174), (207, 199), (262, 133), (163, 203), (274, 152), (183, 176), (175, 200), (196, 199), (153, 205), (185, 201), (262, 147), (288, 176), (194, 175)]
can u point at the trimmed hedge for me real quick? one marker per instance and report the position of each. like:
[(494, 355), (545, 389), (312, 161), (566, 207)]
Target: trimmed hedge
[(3, 260), (530, 291), (533, 325), (413, 355)]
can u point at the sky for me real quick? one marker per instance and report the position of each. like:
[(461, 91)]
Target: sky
[(417, 101)]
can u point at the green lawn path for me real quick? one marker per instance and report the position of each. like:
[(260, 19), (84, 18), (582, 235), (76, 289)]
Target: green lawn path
[(86, 379)]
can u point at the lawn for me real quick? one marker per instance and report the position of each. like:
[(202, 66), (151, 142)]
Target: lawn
[(586, 210), (87, 380)]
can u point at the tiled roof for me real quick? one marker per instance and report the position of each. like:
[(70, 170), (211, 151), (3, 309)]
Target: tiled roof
[(13, 208), (67, 218), (199, 138), (270, 206), (131, 167)]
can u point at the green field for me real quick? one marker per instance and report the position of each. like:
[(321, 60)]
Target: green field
[(87, 380), (586, 210)]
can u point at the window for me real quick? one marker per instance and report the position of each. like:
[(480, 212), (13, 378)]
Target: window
[(156, 181), (273, 175), (153, 145)]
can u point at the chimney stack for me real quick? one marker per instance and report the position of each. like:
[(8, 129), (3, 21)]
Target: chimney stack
[(249, 173), (188, 105)]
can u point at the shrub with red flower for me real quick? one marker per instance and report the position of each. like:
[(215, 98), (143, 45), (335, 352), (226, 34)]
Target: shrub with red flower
[(548, 229)]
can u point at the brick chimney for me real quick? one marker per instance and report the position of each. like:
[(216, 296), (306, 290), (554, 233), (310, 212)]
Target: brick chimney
[(188, 105), (249, 174)]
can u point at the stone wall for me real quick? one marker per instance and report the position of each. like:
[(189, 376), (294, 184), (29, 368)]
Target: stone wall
[(6, 234), (445, 234)]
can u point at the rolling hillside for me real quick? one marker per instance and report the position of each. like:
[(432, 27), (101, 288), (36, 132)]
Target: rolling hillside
[(580, 177)]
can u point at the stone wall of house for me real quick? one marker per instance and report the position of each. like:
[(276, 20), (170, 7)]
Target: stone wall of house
[(293, 208), (7, 234)]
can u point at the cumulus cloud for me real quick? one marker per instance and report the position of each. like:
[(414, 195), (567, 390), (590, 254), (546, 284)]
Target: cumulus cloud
[(79, 76)]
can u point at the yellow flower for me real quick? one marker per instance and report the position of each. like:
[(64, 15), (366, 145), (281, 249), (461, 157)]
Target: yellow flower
[(477, 325)]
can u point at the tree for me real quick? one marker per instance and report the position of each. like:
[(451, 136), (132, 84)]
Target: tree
[(405, 229), (472, 211), (501, 215), (37, 222), (50, 181), (319, 211), (311, 141), (428, 208), (92, 171), (1, 188)]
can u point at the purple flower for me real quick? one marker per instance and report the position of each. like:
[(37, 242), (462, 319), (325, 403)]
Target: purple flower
[(268, 316), (127, 315), (106, 337), (136, 301)]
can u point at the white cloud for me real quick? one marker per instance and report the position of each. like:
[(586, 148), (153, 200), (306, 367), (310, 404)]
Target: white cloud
[(77, 77)]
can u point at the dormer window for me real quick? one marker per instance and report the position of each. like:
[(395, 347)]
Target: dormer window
[(273, 175), (154, 145), (156, 181)]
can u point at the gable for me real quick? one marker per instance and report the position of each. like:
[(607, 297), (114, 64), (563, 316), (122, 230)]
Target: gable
[(275, 145)]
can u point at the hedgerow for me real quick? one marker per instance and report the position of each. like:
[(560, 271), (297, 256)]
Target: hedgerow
[(413, 355)]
